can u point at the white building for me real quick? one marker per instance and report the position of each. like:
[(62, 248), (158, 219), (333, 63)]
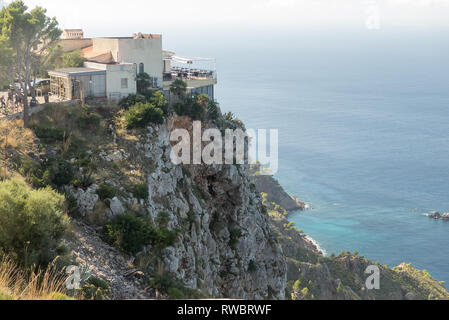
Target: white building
[(73, 34), (122, 58)]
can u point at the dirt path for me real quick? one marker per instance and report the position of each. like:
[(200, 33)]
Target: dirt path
[(107, 263)]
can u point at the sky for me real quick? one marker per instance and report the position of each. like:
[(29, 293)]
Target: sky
[(123, 17)]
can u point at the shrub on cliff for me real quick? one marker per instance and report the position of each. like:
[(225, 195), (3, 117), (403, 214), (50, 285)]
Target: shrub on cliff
[(89, 119), (140, 191), (158, 100), (32, 222), (140, 115), (131, 233), (49, 134), (132, 99), (96, 289), (106, 191), (178, 88), (128, 233), (54, 172), (191, 107)]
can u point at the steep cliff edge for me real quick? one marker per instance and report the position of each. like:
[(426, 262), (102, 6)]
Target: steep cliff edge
[(216, 240), (310, 275), (186, 231), (226, 247), (275, 192)]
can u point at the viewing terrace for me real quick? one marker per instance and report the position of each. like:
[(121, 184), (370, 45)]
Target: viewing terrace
[(189, 68)]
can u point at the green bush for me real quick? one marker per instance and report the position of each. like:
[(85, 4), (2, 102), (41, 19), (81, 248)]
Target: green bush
[(144, 83), (54, 172), (61, 172), (72, 205), (236, 234), (32, 222), (140, 115), (175, 293), (50, 134), (84, 181), (212, 110), (162, 219), (158, 100), (190, 107), (95, 289), (178, 88), (73, 59), (129, 233), (252, 266), (169, 284), (106, 191), (132, 99), (164, 238), (140, 191), (89, 119)]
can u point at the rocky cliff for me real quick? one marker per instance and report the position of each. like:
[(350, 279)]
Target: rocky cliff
[(222, 233), (225, 246), (310, 275), (274, 191)]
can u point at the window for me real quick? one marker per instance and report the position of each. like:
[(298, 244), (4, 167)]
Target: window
[(141, 68), (124, 83)]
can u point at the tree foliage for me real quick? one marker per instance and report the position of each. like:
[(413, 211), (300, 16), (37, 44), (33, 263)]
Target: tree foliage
[(178, 88), (73, 59), (27, 39), (144, 82), (32, 222), (142, 114)]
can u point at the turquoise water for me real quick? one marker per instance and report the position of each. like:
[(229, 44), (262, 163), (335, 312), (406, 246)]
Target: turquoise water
[(363, 125)]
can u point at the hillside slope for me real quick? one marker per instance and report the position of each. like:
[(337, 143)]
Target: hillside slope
[(155, 229), (310, 275)]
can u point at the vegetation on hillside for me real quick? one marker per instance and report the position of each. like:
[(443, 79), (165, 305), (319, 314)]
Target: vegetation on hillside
[(32, 222), (73, 59), (28, 38), (42, 284), (313, 276)]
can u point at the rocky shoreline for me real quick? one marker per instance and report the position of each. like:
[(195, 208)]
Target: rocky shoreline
[(275, 192), (438, 216)]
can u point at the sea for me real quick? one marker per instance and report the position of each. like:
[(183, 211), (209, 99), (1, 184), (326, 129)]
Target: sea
[(363, 120)]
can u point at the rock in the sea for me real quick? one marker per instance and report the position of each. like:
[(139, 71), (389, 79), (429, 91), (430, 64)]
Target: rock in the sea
[(436, 215)]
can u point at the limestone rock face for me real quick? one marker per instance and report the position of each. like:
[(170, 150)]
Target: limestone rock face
[(226, 247), (86, 199), (116, 207)]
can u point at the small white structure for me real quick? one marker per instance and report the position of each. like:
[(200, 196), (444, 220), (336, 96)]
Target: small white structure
[(78, 83), (120, 78), (73, 34)]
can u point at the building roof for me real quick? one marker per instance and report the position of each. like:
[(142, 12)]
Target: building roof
[(76, 72), (99, 57), (135, 36)]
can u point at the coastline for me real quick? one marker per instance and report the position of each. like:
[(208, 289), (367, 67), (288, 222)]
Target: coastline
[(316, 245), (274, 193)]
